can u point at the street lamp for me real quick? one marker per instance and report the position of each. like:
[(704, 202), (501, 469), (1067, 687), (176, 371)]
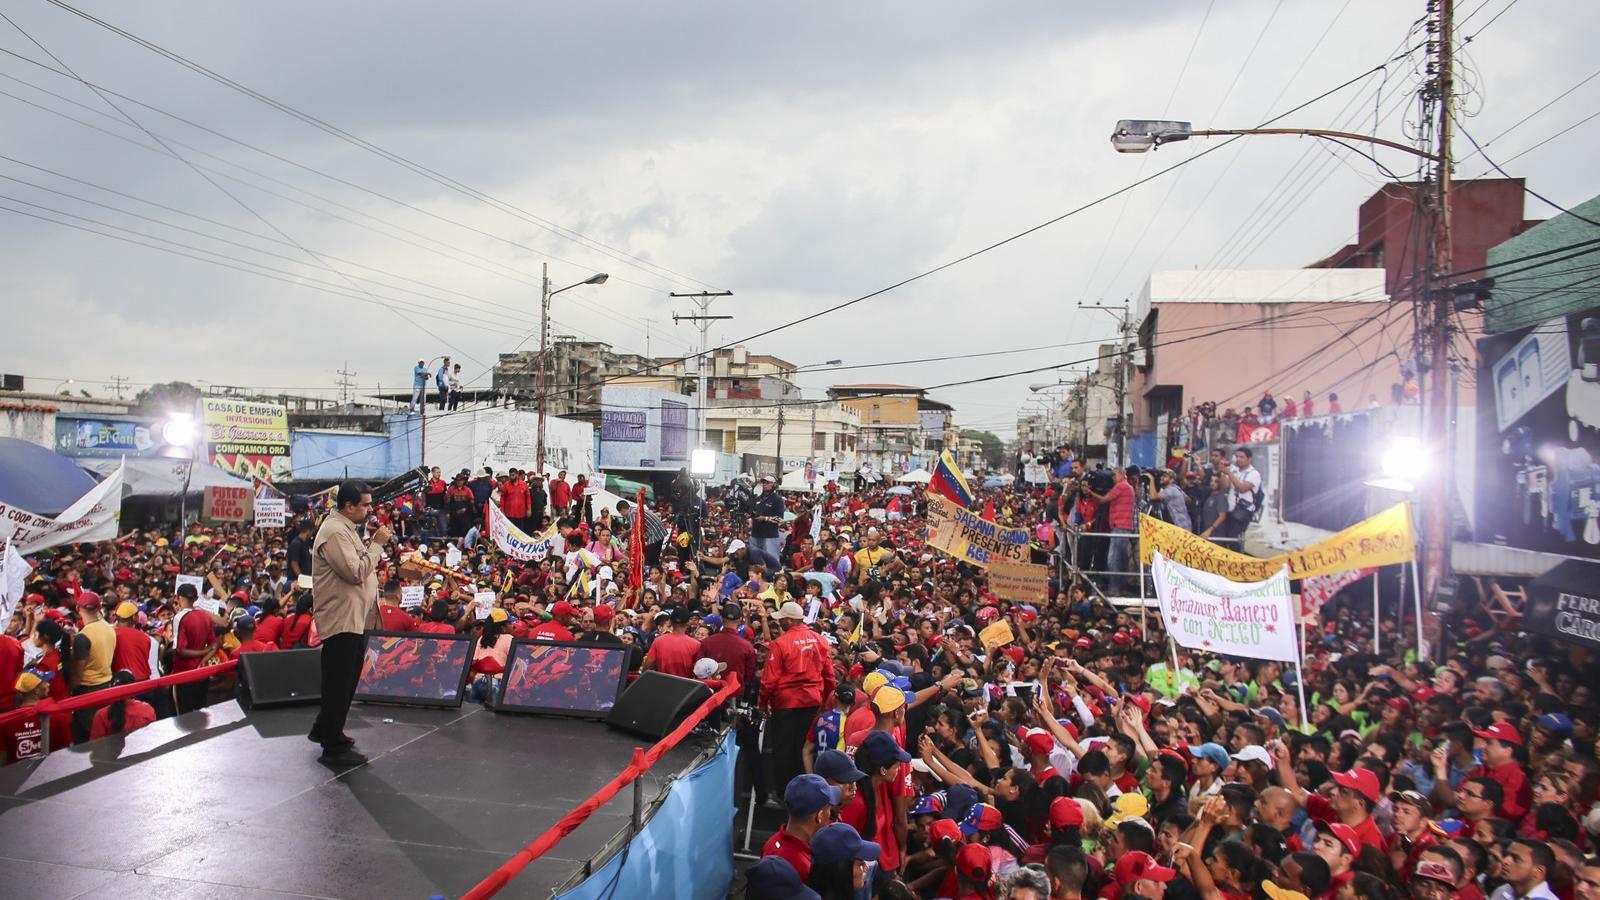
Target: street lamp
[(179, 431), (1140, 135), (544, 349)]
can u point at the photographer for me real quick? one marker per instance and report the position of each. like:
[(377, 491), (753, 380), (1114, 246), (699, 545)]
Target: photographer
[(1119, 503)]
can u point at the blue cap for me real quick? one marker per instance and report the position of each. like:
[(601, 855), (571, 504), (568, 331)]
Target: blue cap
[(1555, 723), (841, 843), (1271, 714), (713, 621), (901, 682), (837, 768), (928, 805), (880, 745), (253, 610), (774, 877), (958, 800), (245, 623), (808, 795), (1215, 753), (891, 668)]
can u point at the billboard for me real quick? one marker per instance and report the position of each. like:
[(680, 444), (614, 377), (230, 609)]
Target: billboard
[(107, 438), (644, 428), (1538, 437), (249, 439)]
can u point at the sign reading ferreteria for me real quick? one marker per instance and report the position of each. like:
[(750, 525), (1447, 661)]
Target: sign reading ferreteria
[(1207, 612), (1382, 540), (971, 538)]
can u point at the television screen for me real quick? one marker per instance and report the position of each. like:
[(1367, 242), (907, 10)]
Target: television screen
[(563, 678), (411, 668)]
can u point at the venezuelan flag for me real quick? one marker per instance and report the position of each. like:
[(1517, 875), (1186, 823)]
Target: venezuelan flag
[(949, 482)]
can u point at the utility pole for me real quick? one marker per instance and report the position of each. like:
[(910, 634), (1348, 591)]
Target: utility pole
[(345, 382), (1438, 417), (1124, 331), (118, 383), (780, 441), (544, 354), (703, 320)]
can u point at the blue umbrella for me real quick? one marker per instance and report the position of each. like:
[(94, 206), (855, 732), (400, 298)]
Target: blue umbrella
[(993, 481), (40, 481)]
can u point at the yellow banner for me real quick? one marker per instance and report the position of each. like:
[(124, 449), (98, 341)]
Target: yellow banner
[(971, 538), (1382, 540)]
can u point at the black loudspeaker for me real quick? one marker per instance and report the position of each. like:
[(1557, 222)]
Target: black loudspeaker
[(281, 678), (656, 704)]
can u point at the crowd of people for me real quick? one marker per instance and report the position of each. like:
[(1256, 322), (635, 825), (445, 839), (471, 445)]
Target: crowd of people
[(1074, 754)]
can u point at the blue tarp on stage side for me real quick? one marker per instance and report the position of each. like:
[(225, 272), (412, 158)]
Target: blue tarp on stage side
[(685, 850)]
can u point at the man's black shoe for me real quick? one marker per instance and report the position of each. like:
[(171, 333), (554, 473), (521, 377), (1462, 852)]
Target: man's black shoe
[(345, 740), (343, 757)]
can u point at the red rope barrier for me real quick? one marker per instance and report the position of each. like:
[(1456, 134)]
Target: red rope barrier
[(113, 694), (642, 761)]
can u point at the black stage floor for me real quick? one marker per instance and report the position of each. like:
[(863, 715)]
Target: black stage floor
[(224, 803)]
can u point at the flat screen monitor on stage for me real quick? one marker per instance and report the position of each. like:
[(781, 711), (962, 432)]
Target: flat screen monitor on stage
[(414, 669), (562, 678)]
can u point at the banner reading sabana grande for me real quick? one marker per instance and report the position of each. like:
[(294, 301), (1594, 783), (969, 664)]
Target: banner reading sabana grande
[(971, 538), (1382, 540), (1208, 612)]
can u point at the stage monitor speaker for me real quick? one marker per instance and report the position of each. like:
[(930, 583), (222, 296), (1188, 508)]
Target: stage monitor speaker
[(280, 678), (656, 704)]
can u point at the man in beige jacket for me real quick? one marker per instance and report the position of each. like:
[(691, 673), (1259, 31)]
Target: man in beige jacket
[(344, 595)]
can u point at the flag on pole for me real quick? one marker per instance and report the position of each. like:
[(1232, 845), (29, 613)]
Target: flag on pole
[(636, 548), (949, 482)]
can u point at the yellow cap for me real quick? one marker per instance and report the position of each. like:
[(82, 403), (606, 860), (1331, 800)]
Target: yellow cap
[(27, 681), (1127, 806), (889, 699), (497, 615), (1281, 893), (127, 610), (872, 682)]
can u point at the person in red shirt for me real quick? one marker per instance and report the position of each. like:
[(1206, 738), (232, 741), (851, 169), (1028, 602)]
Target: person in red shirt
[(514, 499), (270, 623), (438, 619), (557, 629), (51, 636), (797, 679), (122, 716), (1338, 846), (810, 801), (10, 668), (560, 493), (391, 616), (674, 653), (1505, 760), (136, 652), (726, 646), (296, 630), (973, 872), (24, 738), (1132, 868), (1119, 509), (244, 628), (876, 811), (194, 641)]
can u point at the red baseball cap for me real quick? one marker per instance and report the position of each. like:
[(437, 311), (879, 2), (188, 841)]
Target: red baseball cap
[(1037, 740), (604, 613), (1500, 731), (1401, 704), (944, 830), (91, 600), (1140, 701), (1015, 653), (973, 862), (1344, 833), (1084, 644), (1362, 781), (1065, 812), (1138, 864), (563, 608)]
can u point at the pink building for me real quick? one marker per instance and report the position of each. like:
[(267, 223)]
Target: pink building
[(1226, 336)]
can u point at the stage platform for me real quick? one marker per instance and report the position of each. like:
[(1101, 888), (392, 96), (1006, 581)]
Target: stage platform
[(228, 803)]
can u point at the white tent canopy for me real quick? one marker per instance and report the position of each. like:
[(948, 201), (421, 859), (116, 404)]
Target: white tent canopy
[(916, 476), (159, 477), (796, 481)]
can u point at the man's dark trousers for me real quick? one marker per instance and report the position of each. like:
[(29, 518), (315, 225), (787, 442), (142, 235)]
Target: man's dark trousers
[(786, 735), (341, 669)]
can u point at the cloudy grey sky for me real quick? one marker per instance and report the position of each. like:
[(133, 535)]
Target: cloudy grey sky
[(797, 154)]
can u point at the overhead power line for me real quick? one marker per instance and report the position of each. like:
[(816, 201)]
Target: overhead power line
[(591, 243)]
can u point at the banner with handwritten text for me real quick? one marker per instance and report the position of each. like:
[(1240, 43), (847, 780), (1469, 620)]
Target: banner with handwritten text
[(1207, 612), (971, 538)]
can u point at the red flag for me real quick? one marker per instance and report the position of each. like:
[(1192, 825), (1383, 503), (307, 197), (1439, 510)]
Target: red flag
[(988, 509), (636, 551)]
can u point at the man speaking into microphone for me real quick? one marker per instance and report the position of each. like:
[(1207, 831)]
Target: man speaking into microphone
[(344, 596)]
